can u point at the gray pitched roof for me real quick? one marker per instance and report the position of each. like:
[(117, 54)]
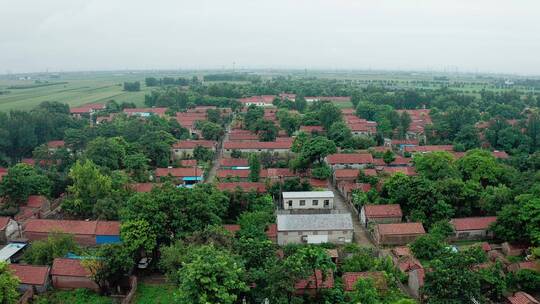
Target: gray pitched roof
[(311, 222)]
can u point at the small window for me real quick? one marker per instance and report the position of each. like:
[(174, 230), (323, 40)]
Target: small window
[(330, 232), (315, 202), (285, 233), (341, 240), (290, 203), (326, 203), (302, 202), (304, 238)]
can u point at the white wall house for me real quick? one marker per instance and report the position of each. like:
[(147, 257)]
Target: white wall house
[(308, 200), (334, 228)]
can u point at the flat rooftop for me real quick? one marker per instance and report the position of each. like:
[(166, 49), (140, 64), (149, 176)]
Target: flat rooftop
[(308, 194)]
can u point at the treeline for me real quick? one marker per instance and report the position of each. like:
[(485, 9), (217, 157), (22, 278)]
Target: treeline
[(232, 77), (166, 81), (179, 99), (132, 86)]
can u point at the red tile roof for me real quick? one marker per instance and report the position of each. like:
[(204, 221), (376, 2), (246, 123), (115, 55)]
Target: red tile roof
[(318, 183), (30, 274), (311, 129), (75, 227), (36, 201), (4, 220), (343, 158), (500, 154), (233, 162), (232, 228), (56, 144), (192, 144), (378, 211), (244, 186), (243, 136), (281, 144), (401, 251), (350, 279), (222, 173), (267, 99), (472, 223), (346, 173), (398, 161), (448, 148), (87, 108), (521, 297), (188, 162), (277, 172), (404, 170), (309, 283), (69, 267), (179, 172), (401, 228), (142, 187)]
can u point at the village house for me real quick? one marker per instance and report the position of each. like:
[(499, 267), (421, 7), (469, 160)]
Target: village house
[(88, 109), (54, 145), (404, 259), (188, 163), (71, 274), (521, 297), (380, 214), (184, 148), (346, 188), (279, 174), (8, 229), (309, 285), (349, 161), (427, 149), (350, 175), (397, 233), (143, 187), (280, 147), (334, 228), (31, 277), (233, 175), (145, 112), (186, 177), (234, 163), (308, 200), (242, 186), (85, 233), (351, 278), (312, 129), (36, 206), (260, 101), (472, 228)]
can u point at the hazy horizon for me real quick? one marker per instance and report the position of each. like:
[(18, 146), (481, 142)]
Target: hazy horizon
[(96, 35)]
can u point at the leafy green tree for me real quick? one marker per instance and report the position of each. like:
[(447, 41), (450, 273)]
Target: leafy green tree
[(266, 130), (57, 245), (107, 152), (468, 137), (322, 171), (312, 259), (481, 166), (442, 229), (509, 225), (315, 150), (435, 165), (137, 166), (252, 116), (75, 139), (526, 279), (204, 154), (428, 246), (210, 275), (388, 157), (89, 185), (340, 133), (254, 167), (365, 292), (21, 181), (493, 282), (494, 198), (108, 265), (211, 131), (156, 146), (137, 236), (329, 114), (9, 285), (288, 122)]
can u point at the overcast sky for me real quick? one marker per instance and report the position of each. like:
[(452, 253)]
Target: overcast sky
[(70, 35)]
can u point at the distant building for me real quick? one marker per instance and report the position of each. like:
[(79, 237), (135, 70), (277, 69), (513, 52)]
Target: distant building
[(31, 277), (145, 112), (85, 233), (71, 274), (314, 228), (184, 148), (186, 177), (380, 214), (397, 233), (303, 200), (260, 101), (349, 161), (281, 147), (88, 109), (472, 228)]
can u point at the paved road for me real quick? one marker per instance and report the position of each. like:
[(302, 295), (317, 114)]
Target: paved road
[(360, 233)]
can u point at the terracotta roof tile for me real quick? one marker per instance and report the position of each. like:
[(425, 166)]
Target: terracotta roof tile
[(192, 144), (244, 186), (75, 227), (521, 297), (69, 267), (350, 279), (401, 228), (343, 158), (280, 144), (309, 283), (223, 173), (376, 211), (4, 220), (179, 172), (30, 274), (36, 201), (472, 223), (233, 162)]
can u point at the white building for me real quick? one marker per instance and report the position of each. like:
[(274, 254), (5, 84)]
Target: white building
[(334, 228), (308, 200)]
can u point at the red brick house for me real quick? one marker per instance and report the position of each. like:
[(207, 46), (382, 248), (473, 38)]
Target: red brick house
[(397, 233), (85, 233), (31, 276), (71, 274), (472, 228), (380, 214)]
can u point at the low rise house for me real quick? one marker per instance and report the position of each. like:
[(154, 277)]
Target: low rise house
[(236, 175), (8, 229), (397, 233), (279, 174), (186, 177), (260, 101), (280, 147), (87, 109), (184, 148), (85, 233), (12, 252), (404, 260), (145, 112), (234, 163), (472, 228), (54, 145), (346, 188), (314, 282), (380, 214), (334, 228), (344, 160), (351, 278), (427, 149), (71, 274), (31, 277), (350, 175), (308, 200), (521, 297)]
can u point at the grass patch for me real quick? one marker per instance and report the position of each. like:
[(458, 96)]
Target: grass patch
[(77, 296), (154, 294)]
